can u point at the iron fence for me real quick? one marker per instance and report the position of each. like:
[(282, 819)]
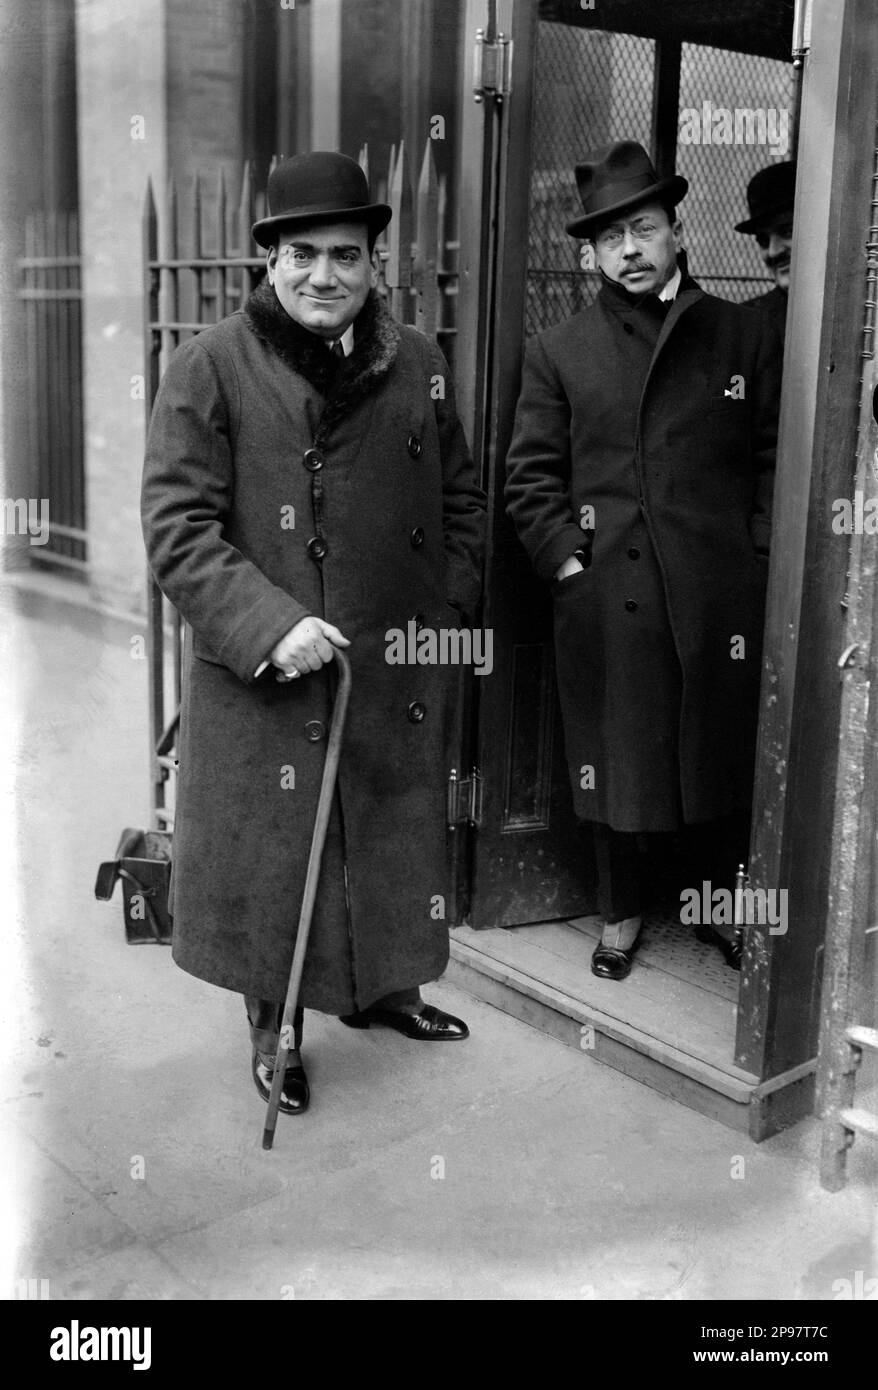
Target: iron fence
[(51, 292)]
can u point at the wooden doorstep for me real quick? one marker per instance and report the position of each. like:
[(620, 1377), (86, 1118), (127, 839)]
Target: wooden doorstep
[(644, 1022), (657, 1029), (668, 1011)]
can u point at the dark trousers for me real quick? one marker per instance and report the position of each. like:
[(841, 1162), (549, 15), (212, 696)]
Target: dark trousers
[(617, 857), (709, 851), (714, 850), (266, 1015)]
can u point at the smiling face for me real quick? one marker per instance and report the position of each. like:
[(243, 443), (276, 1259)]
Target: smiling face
[(322, 275), (639, 248), (775, 242)]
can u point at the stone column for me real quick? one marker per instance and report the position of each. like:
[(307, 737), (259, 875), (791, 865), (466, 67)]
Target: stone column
[(22, 181), (326, 22), (121, 70)]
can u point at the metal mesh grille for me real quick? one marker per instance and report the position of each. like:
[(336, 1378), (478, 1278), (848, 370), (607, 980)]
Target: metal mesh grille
[(592, 88), (724, 261)]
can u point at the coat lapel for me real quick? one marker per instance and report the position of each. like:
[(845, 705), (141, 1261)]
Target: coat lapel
[(344, 387), (688, 294)]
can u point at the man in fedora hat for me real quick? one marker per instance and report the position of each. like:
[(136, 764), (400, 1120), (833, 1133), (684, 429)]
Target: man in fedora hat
[(639, 481), (307, 487), (770, 198)]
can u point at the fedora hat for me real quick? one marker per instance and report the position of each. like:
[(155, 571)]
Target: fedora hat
[(617, 177), (319, 187), (771, 191)]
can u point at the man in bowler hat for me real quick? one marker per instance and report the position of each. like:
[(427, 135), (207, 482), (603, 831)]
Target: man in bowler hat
[(307, 487), (639, 480), (770, 198)]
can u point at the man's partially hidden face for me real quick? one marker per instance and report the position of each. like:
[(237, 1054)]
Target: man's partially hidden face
[(775, 242), (639, 248), (322, 275)]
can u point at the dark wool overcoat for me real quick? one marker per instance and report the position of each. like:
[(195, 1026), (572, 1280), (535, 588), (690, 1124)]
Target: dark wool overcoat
[(248, 532), (774, 306), (666, 428)]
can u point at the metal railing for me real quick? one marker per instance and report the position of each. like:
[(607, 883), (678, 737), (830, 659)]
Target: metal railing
[(50, 289)]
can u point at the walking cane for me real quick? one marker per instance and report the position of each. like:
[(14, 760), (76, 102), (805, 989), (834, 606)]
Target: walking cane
[(318, 839)]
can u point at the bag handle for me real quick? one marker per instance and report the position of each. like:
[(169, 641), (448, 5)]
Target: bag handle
[(109, 871), (146, 894)]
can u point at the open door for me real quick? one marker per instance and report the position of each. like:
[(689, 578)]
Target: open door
[(529, 861)]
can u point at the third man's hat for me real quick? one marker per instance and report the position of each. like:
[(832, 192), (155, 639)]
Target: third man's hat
[(770, 192)]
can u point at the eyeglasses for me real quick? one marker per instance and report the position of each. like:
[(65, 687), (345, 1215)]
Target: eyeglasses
[(614, 236)]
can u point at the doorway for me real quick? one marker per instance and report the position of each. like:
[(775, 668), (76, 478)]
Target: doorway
[(531, 923)]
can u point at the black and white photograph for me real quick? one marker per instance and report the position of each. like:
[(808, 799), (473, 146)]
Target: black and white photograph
[(439, 641)]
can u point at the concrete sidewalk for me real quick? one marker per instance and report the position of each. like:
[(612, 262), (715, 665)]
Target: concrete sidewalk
[(509, 1167)]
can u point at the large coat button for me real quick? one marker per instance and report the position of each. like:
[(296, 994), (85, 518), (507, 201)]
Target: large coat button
[(313, 460), (631, 605), (414, 446), (315, 730), (317, 547), (633, 553), (417, 537), (417, 712)]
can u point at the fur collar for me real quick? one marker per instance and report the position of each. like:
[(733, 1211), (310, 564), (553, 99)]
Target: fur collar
[(376, 341)]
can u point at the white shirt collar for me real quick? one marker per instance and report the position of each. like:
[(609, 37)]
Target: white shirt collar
[(346, 340), (670, 289)]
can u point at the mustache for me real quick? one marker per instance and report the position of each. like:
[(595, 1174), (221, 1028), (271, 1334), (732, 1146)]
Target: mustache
[(640, 265), (775, 262)]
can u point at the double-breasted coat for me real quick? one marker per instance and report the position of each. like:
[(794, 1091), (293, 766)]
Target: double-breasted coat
[(274, 489), (648, 442)]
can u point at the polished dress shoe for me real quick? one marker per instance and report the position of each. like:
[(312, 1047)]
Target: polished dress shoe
[(732, 950), (611, 962), (614, 952), (430, 1025), (295, 1092)]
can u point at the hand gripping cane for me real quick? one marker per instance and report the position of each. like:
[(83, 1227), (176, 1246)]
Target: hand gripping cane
[(318, 839)]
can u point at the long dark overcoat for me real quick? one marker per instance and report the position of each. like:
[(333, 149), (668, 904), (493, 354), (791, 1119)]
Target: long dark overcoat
[(247, 532), (666, 427)]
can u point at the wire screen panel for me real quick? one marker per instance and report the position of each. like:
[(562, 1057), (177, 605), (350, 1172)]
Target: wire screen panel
[(751, 99), (590, 88)]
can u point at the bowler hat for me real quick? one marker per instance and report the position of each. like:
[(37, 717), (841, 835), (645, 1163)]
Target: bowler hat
[(319, 187), (771, 191), (617, 177)]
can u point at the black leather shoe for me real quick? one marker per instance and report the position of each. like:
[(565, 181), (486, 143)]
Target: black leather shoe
[(295, 1092), (611, 962), (732, 950), (430, 1025)]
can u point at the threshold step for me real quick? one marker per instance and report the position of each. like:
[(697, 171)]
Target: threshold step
[(670, 1024), (861, 1121)]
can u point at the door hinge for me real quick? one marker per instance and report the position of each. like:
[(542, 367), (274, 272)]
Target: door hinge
[(464, 799), (492, 67), (801, 31)]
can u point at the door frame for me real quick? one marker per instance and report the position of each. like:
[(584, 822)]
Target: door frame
[(798, 755), (776, 1036)]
